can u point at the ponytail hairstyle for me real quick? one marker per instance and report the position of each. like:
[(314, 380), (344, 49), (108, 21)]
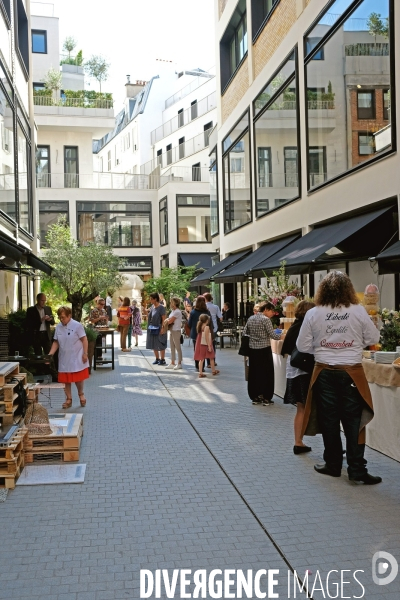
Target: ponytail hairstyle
[(202, 319)]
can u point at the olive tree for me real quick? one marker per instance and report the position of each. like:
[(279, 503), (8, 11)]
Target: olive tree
[(97, 68), (81, 271)]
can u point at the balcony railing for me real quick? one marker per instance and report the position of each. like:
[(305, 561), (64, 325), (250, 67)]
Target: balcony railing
[(196, 110), (195, 144), (367, 49), (112, 181), (72, 102), (185, 91)]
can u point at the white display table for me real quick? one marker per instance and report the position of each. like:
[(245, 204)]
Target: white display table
[(279, 368)]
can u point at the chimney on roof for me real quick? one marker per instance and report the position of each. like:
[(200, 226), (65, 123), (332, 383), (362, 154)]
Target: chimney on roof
[(132, 89)]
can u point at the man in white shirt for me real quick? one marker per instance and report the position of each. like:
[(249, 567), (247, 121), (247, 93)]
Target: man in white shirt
[(336, 331), (216, 316)]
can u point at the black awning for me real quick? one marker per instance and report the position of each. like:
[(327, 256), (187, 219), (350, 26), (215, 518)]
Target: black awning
[(40, 265), (204, 278), (244, 268), (10, 250), (351, 239), (389, 260), (201, 259)]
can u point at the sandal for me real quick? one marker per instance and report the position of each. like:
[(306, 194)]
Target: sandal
[(82, 400), (216, 372), (201, 375), (67, 403)]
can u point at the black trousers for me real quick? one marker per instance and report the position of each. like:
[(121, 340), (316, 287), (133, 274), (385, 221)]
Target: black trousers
[(41, 343), (338, 400), (261, 374)]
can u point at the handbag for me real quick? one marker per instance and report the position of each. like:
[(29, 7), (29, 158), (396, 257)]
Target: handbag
[(154, 329), (181, 340), (187, 330), (244, 349), (302, 360)]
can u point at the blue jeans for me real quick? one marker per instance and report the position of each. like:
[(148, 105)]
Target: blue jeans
[(338, 400)]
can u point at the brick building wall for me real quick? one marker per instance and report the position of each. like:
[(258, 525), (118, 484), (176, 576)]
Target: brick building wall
[(236, 90), (367, 126), (282, 19)]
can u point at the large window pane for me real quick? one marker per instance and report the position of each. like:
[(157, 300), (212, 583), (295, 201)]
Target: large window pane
[(24, 183), (348, 94), (43, 167), (284, 74), (325, 23), (276, 146), (194, 219), (71, 166), (214, 193), (7, 174), (49, 213), (237, 184), (236, 132), (39, 41), (163, 222), (115, 228)]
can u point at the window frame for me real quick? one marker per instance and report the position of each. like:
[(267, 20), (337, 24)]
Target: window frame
[(224, 154), (294, 77), (308, 58), (77, 166), (227, 75), (324, 160), (364, 134), (195, 205), (41, 31), (373, 104), (212, 165), (256, 32), (128, 212), (17, 122), (22, 42), (269, 162), (6, 10), (164, 210), (40, 146), (42, 242), (386, 111), (128, 267)]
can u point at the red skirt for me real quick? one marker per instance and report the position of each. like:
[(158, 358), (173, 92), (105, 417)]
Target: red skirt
[(202, 352), (73, 377)]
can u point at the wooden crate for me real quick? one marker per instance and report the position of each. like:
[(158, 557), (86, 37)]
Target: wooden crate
[(61, 440), (46, 456), (13, 466), (16, 446)]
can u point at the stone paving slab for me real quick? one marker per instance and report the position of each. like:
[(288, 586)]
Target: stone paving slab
[(155, 497)]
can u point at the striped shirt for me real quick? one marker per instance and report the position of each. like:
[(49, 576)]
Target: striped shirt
[(260, 330)]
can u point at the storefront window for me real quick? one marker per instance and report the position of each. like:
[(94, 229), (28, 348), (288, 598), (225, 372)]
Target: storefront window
[(163, 222), (214, 192), (49, 213), (276, 140), (24, 182), (118, 225), (7, 171), (193, 219), (348, 94), (138, 263)]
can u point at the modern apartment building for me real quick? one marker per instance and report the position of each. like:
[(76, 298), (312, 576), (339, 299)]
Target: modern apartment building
[(19, 264), (306, 162)]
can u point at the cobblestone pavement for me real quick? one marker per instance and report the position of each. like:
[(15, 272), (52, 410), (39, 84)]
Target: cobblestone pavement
[(186, 474)]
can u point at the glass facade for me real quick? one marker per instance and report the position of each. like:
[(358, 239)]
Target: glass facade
[(163, 222), (43, 167), (118, 225), (49, 212), (193, 220), (236, 175), (214, 193), (348, 94)]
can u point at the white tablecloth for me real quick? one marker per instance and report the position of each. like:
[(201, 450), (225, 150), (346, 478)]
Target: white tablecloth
[(383, 433)]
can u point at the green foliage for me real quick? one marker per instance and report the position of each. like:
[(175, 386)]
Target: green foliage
[(69, 45), (16, 320), (390, 331), (55, 294), (376, 26), (81, 271), (173, 281), (88, 98), (44, 92), (276, 289), (53, 80), (91, 334), (18, 339), (97, 68)]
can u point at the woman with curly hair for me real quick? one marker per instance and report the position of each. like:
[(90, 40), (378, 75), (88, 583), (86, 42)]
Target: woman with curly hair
[(336, 331)]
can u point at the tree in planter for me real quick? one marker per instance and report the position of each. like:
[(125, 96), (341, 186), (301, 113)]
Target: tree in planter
[(173, 281), (97, 68), (376, 26), (53, 81), (81, 271), (69, 46)]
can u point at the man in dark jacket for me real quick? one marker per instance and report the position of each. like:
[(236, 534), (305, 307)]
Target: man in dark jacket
[(38, 321)]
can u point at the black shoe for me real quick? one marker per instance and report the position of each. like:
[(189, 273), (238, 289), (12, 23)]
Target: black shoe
[(324, 470), (367, 479), (256, 401), (271, 401), (156, 362), (301, 449), (266, 402), (162, 362)]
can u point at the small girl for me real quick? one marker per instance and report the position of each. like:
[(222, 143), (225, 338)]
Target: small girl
[(204, 346)]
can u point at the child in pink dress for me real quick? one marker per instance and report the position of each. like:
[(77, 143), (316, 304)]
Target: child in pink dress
[(204, 346)]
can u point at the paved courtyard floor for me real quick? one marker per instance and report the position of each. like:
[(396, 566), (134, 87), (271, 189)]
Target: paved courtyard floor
[(185, 473)]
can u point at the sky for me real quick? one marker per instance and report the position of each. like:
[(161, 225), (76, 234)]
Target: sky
[(131, 34)]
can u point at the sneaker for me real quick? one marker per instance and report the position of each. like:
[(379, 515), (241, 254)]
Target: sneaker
[(170, 366), (162, 362), (266, 402), (177, 367), (256, 401), (156, 362)]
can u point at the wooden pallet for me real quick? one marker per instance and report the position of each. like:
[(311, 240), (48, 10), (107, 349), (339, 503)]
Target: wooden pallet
[(16, 446), (40, 456), (33, 392), (13, 466), (8, 369), (61, 440)]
